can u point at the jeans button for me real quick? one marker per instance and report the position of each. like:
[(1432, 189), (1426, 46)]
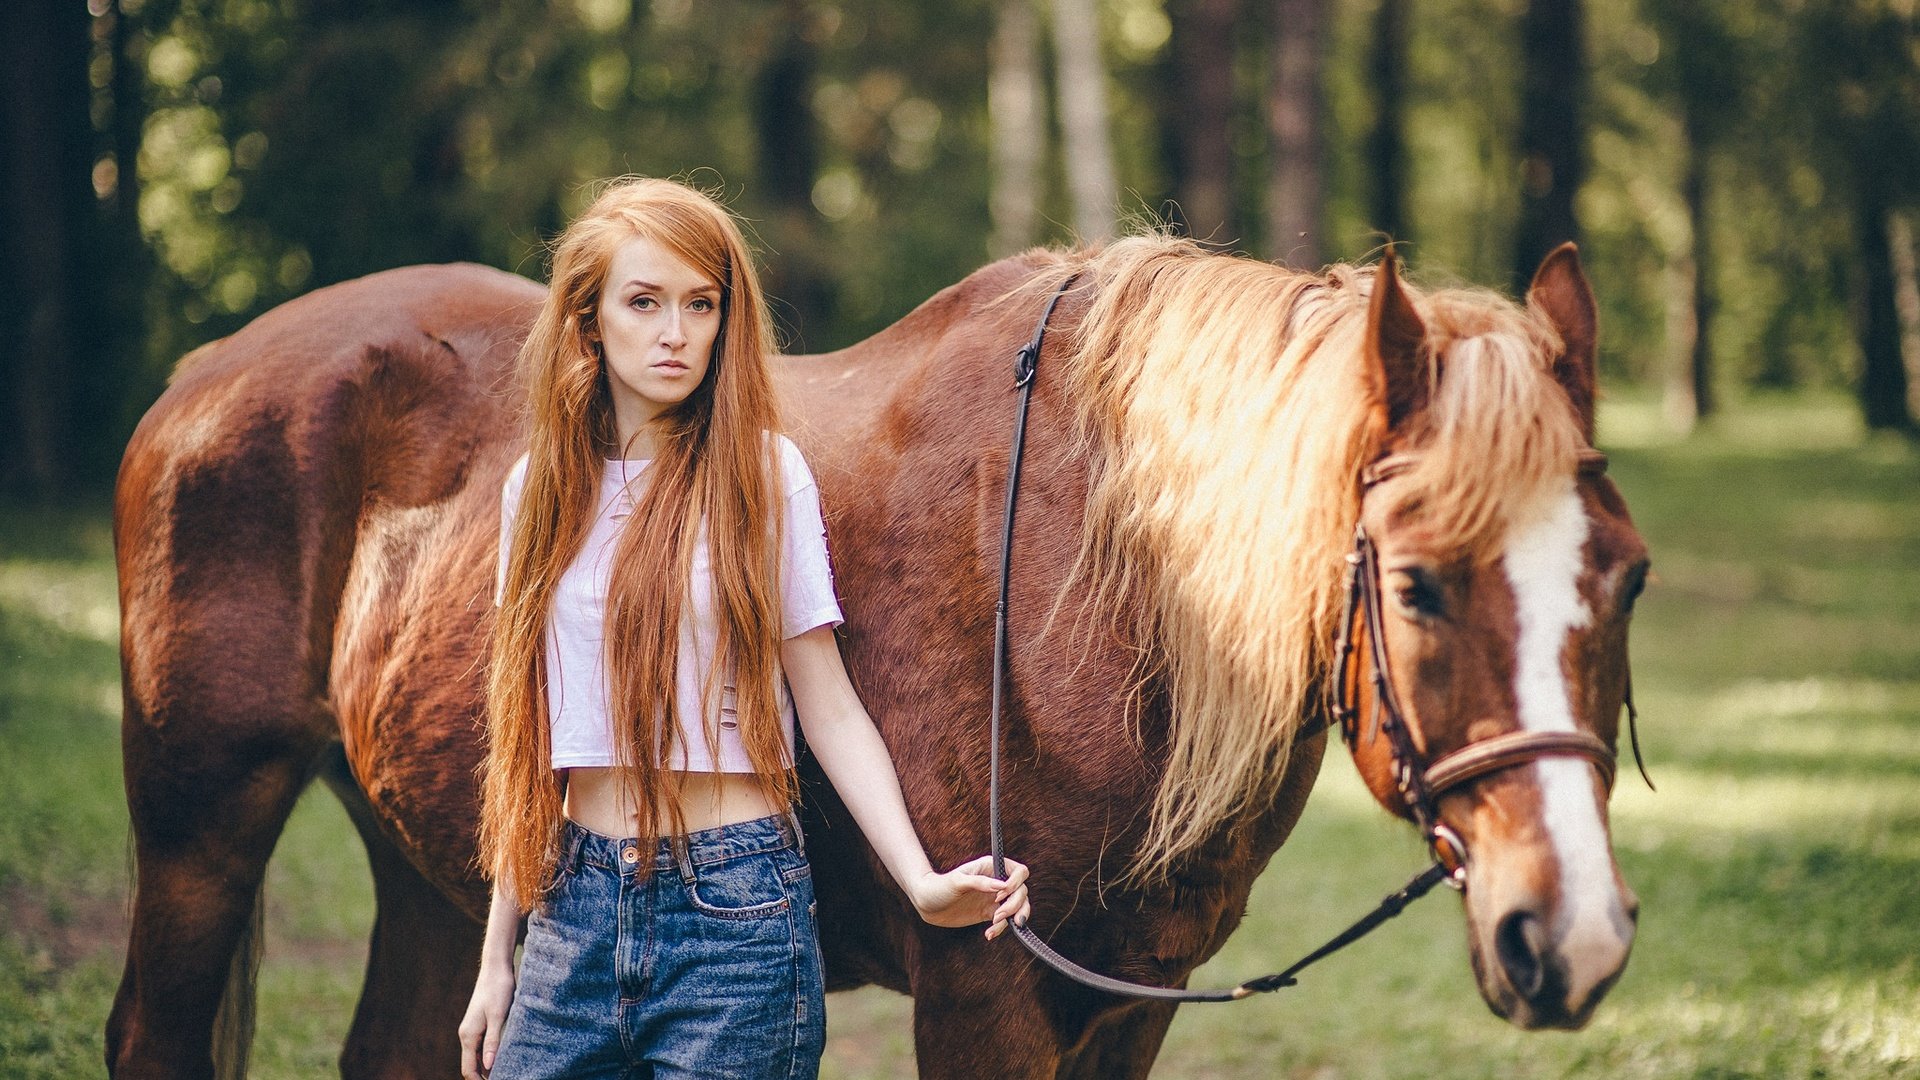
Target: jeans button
[(630, 854)]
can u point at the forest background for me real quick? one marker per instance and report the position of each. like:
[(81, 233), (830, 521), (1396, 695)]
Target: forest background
[(1741, 176), (1744, 181)]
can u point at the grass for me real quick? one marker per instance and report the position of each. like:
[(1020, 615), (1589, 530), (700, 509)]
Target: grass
[(1777, 662)]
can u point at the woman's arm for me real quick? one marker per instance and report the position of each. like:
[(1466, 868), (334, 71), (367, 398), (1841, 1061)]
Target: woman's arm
[(493, 991), (842, 736)]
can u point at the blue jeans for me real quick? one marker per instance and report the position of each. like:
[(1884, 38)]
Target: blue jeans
[(707, 967)]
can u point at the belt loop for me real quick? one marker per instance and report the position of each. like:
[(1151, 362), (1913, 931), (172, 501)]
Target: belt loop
[(790, 824), (572, 839), (682, 858)]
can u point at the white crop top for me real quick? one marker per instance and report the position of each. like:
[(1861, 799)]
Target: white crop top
[(578, 703)]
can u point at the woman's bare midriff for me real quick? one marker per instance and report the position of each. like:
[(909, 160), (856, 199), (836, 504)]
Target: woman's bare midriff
[(600, 799)]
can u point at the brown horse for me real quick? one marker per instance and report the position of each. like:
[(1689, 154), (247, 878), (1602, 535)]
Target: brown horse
[(305, 528)]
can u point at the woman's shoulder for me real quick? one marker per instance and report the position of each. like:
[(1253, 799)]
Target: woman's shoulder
[(795, 475), (515, 482)]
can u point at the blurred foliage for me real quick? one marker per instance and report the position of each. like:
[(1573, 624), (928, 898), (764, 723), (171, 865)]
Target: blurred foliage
[(290, 145)]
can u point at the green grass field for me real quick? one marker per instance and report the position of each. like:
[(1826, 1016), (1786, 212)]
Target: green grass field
[(1777, 662)]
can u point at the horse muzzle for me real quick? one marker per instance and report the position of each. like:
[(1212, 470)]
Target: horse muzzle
[(1545, 961)]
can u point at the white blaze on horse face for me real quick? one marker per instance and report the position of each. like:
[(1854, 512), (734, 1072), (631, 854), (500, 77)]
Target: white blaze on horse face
[(1543, 560)]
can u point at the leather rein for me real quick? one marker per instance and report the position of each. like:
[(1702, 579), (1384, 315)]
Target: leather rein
[(1420, 786)]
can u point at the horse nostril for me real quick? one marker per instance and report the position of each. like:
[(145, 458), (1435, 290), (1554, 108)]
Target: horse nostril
[(1520, 942)]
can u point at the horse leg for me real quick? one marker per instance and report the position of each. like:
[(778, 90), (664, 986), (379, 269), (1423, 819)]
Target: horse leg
[(421, 964), (983, 1009), (1122, 1045), (997, 1033), (994, 1013), (204, 825)]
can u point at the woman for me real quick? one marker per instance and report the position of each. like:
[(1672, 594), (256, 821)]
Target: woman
[(663, 581)]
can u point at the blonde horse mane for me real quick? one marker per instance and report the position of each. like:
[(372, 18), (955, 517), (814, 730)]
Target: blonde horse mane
[(1229, 408)]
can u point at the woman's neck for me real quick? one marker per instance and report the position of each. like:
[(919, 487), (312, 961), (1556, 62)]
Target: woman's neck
[(638, 443)]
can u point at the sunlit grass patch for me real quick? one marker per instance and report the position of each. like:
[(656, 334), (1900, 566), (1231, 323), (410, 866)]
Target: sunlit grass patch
[(1833, 1027), (1810, 726), (1754, 423), (75, 600)]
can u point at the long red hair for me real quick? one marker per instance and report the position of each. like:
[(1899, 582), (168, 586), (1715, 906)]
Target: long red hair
[(716, 461)]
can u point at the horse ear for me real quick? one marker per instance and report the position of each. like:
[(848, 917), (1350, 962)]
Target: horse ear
[(1561, 293), (1396, 346)]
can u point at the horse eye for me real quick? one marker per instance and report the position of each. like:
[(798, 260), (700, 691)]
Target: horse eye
[(1419, 593), (1632, 587)]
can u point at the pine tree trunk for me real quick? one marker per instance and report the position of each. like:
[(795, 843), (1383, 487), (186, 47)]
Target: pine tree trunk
[(45, 191), (1294, 193), (1677, 403), (1386, 143), (1706, 303), (1083, 119), (1552, 131), (1201, 108), (1883, 373), (121, 379), (1906, 295), (798, 286), (1014, 99)]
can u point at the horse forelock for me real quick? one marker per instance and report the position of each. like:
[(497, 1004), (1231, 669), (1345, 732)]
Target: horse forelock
[(1229, 411), (1500, 438)]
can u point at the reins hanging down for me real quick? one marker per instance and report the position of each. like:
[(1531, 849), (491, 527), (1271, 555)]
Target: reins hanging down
[(1025, 365), (1419, 786)]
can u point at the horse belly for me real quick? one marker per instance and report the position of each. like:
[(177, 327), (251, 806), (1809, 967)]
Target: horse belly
[(409, 680)]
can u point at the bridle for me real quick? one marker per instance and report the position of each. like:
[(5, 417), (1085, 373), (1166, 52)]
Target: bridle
[(1419, 784)]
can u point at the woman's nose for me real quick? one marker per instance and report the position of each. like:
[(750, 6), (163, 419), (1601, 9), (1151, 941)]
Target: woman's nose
[(672, 332)]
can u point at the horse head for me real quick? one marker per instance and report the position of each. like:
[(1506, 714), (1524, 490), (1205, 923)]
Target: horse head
[(1505, 575)]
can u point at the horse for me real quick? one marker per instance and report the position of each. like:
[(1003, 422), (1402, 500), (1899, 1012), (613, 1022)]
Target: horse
[(305, 533)]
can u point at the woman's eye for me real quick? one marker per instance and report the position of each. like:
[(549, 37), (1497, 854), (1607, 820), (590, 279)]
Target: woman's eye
[(645, 303), (702, 305)]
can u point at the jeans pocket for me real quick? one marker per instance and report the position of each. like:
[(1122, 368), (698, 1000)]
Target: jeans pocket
[(748, 887)]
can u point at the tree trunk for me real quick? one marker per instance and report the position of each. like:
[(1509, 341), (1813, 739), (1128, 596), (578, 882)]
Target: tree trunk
[(1014, 96), (1883, 373), (45, 191), (1386, 143), (1294, 194), (1695, 380), (129, 120), (1083, 119), (798, 286), (1906, 295), (1552, 131), (120, 379), (1677, 403), (1201, 112)]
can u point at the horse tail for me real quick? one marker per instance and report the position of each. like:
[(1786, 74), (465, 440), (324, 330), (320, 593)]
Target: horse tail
[(233, 1023)]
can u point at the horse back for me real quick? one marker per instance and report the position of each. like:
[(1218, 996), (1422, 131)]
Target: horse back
[(908, 436)]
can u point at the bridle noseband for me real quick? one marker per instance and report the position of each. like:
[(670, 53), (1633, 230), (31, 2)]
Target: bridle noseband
[(1420, 785)]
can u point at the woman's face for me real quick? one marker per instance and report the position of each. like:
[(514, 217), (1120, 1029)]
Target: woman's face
[(658, 318)]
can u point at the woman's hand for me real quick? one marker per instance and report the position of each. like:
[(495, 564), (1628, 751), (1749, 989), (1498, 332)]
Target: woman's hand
[(969, 894), (486, 1015)]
